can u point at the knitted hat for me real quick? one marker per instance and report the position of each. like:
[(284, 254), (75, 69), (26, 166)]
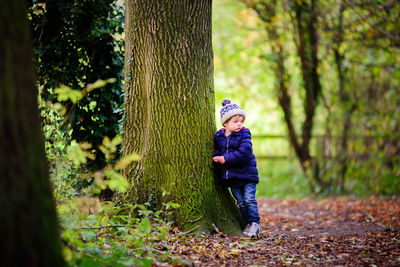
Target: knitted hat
[(229, 110)]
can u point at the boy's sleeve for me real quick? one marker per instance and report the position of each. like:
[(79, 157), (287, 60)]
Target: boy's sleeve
[(216, 150), (243, 154)]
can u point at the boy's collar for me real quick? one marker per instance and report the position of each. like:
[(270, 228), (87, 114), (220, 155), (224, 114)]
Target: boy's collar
[(222, 131)]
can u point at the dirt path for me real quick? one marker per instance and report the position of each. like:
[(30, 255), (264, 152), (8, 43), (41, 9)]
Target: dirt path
[(334, 232)]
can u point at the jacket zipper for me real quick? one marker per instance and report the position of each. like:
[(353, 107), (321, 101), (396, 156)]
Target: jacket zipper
[(227, 151)]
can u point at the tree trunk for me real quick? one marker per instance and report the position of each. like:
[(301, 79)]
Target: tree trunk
[(29, 229), (307, 51), (170, 112), (348, 106)]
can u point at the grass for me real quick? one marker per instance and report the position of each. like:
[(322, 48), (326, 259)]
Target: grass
[(281, 179)]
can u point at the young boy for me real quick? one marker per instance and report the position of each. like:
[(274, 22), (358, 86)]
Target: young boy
[(237, 164)]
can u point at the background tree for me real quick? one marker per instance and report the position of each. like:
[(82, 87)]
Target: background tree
[(75, 43), (304, 18), (368, 56), (29, 228), (345, 99), (170, 112), (344, 135)]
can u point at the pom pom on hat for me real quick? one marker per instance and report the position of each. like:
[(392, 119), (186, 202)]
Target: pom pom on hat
[(229, 110), (225, 102)]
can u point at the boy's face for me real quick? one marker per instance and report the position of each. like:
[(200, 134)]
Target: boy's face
[(234, 124)]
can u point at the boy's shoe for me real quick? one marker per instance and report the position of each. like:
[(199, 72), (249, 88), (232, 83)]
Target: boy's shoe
[(254, 230), (246, 230)]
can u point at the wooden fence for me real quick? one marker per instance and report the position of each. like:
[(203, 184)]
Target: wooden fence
[(318, 146), (263, 152)]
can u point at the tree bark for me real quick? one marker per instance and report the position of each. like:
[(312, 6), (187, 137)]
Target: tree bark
[(170, 112), (29, 228)]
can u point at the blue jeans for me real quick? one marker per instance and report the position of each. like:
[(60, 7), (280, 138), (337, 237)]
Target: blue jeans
[(245, 195)]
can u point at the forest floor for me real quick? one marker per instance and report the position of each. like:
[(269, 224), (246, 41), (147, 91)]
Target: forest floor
[(331, 232)]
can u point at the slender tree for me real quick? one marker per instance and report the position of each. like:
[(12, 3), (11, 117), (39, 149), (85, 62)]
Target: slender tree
[(170, 112), (304, 18), (29, 229), (348, 105)]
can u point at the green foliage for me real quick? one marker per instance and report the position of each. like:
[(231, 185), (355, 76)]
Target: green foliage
[(77, 43), (78, 154), (108, 177), (109, 147), (94, 235), (106, 239), (65, 93), (72, 159), (62, 172)]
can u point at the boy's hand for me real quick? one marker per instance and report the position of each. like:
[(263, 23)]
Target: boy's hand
[(216, 159), (219, 159)]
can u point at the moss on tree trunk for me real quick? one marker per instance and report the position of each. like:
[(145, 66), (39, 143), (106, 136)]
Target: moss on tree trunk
[(170, 112)]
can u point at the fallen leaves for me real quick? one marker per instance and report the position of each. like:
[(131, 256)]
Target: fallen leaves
[(304, 232)]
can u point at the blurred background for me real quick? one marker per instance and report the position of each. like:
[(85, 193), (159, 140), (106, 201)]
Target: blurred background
[(355, 133)]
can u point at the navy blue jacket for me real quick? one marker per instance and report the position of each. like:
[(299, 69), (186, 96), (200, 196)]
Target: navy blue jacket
[(240, 163)]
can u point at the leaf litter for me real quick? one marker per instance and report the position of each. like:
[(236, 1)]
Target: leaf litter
[(330, 232)]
